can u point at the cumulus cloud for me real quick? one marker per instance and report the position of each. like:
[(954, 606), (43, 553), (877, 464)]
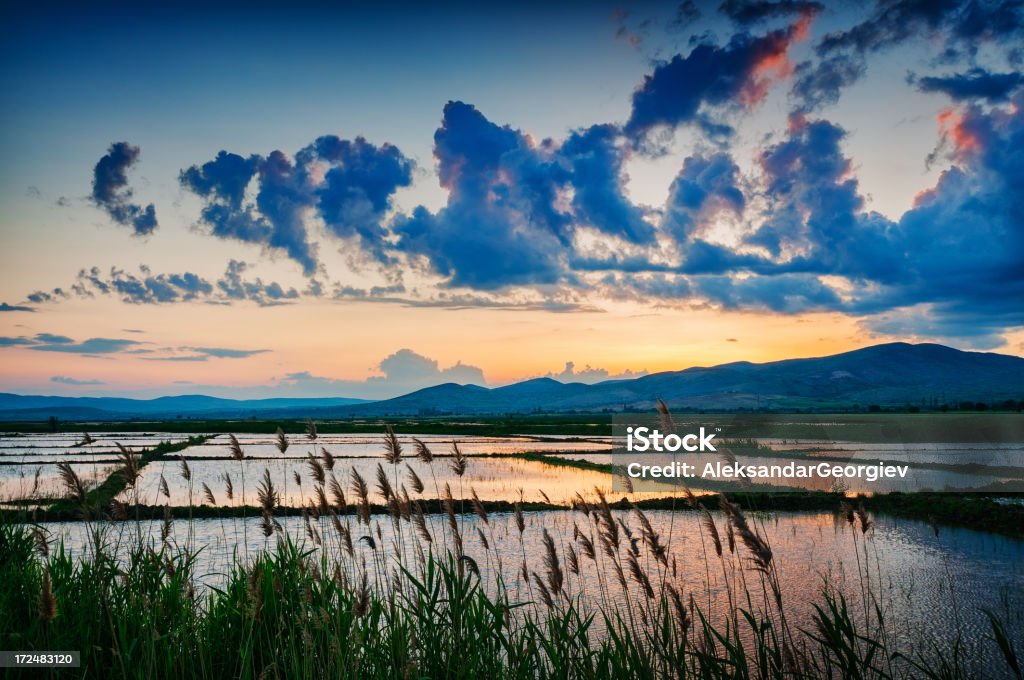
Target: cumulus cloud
[(738, 73), (402, 372), (110, 190), (5, 307), (591, 375), (348, 183), (704, 187), (501, 225)]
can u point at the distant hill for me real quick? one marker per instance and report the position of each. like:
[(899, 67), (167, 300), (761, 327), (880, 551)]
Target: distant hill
[(28, 407), (887, 375)]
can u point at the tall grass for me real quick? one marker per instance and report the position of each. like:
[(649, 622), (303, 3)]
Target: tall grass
[(607, 601)]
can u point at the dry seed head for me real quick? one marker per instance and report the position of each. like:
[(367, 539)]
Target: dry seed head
[(235, 448), (422, 451)]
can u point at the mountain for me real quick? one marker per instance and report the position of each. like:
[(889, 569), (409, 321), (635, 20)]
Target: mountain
[(887, 375), (27, 407)]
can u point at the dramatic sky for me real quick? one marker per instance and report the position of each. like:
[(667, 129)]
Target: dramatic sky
[(246, 200)]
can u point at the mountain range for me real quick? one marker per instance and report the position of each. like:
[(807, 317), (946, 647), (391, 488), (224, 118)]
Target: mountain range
[(890, 374)]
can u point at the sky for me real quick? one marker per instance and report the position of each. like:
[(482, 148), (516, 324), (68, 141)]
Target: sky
[(251, 200)]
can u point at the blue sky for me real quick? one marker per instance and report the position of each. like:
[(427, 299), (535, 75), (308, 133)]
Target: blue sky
[(522, 172)]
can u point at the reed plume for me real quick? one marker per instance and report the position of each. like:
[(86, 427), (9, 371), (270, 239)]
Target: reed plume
[(235, 448), (337, 494), (363, 493), (551, 564), (458, 460), (72, 483), (478, 506), (282, 441), (392, 447), (316, 469), (311, 433), (208, 493), (422, 451), (130, 465), (328, 459), (414, 480), (383, 484)]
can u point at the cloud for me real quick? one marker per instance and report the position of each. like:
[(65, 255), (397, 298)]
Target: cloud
[(4, 307), (65, 380), (753, 11), (501, 225), (596, 156), (977, 83), (403, 371), (8, 341), (151, 288), (41, 296), (358, 186), (110, 190), (819, 83), (234, 287), (51, 339), (591, 375), (963, 24), (226, 353), (348, 183), (90, 346), (737, 74), (704, 187)]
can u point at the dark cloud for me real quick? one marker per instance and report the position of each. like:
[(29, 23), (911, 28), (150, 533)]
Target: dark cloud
[(704, 187), (4, 307), (348, 183), (150, 288), (357, 189), (977, 83), (110, 190), (41, 296), (66, 380), (963, 23), (819, 83), (736, 74), (754, 11), (595, 156), (234, 287), (500, 226)]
